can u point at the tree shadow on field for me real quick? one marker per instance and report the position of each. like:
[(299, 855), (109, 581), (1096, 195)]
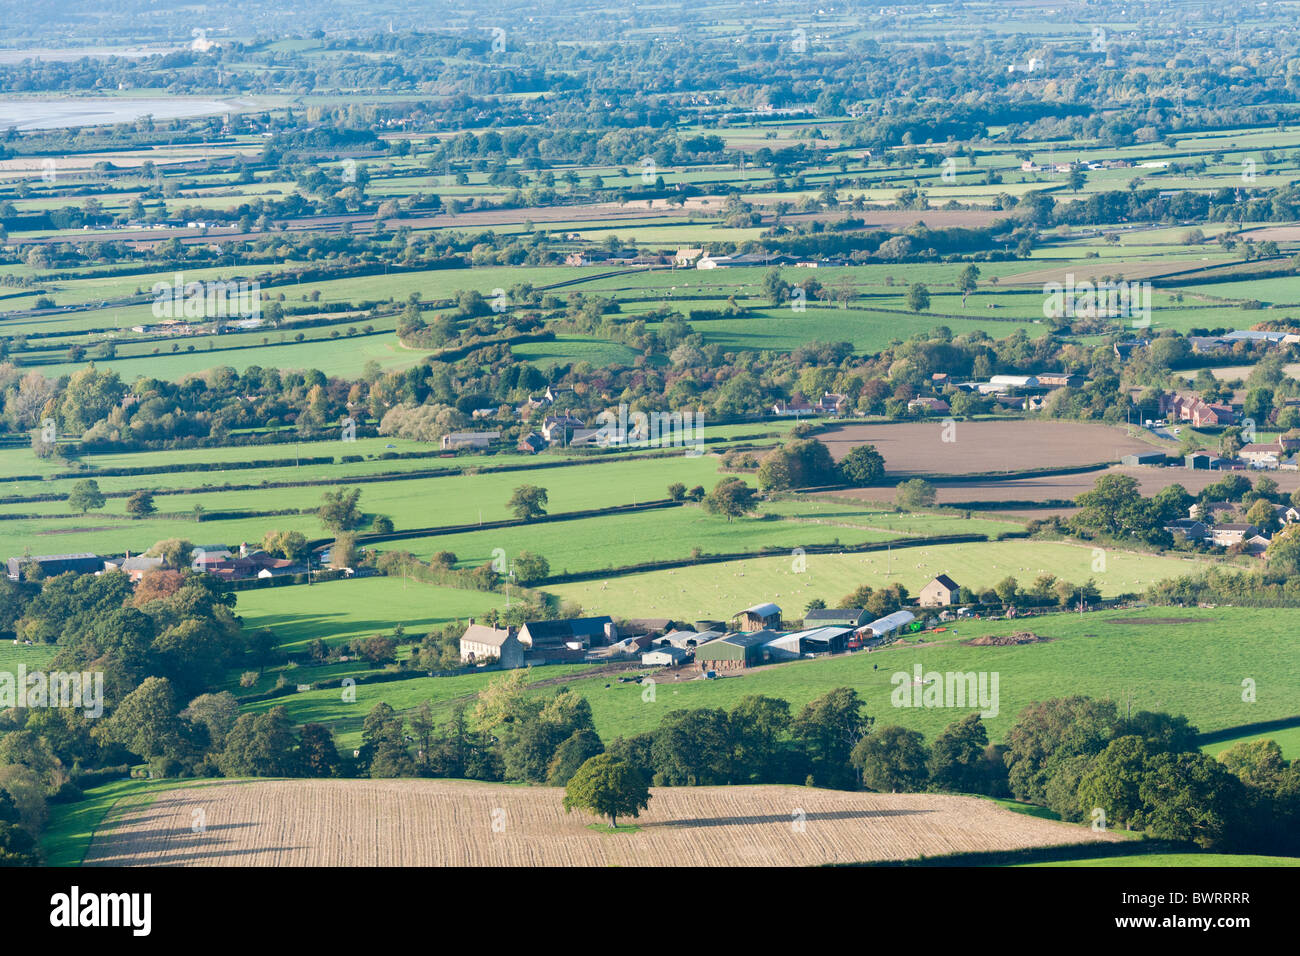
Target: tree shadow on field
[(145, 858), (294, 629), (119, 847), (784, 818)]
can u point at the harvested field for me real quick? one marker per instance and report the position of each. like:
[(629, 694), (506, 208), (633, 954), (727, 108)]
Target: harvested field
[(1064, 487), (1232, 373), (1276, 233), (986, 447), (451, 823)]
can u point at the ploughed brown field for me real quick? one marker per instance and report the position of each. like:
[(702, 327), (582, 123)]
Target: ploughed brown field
[(1064, 487), (450, 823), (986, 447)]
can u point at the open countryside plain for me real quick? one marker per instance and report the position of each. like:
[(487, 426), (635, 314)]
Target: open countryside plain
[(311, 330)]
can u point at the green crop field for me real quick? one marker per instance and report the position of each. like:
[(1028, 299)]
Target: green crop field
[(717, 591)]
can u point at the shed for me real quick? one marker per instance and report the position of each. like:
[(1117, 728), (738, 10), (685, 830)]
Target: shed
[(890, 624), (837, 617), (758, 617), (666, 656), (735, 650), (814, 640), (84, 562), (685, 639), (1144, 458)]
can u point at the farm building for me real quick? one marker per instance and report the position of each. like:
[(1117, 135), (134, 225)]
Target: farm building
[(1201, 461), (1144, 458), (480, 643), (478, 440), (665, 656), (815, 640), (797, 409), (51, 564), (135, 567), (758, 617), (929, 405), (631, 645), (686, 639), (1014, 381), (837, 617), (832, 403), (941, 590), (734, 651), (530, 444), (1060, 380), (889, 625), (557, 428), (575, 633), (649, 625)]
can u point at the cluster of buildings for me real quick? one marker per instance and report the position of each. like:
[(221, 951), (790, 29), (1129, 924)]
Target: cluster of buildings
[(243, 564), (537, 642), (218, 560), (1026, 392), (1210, 344), (1196, 411), (752, 637), (830, 404), (1217, 523)]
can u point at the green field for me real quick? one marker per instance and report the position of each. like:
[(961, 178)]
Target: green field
[(1288, 739), (338, 611), (717, 591), (1192, 665)]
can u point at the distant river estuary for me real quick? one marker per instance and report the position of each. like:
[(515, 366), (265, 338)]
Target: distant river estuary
[(25, 114)]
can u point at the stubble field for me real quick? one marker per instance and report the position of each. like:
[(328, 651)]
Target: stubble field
[(457, 823)]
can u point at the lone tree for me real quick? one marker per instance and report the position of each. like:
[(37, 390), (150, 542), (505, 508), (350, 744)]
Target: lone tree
[(607, 786), (916, 493), (863, 465), (141, 504), (338, 510), (531, 568), (85, 496), (528, 502), (775, 288), (730, 497), (918, 297)]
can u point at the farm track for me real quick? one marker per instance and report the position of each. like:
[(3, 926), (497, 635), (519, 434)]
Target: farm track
[(458, 823)]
